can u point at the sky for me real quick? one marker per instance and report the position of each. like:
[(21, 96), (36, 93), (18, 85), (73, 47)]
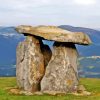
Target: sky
[(79, 13)]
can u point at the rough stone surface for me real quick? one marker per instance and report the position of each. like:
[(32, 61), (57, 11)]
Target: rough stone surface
[(30, 64), (33, 57), (56, 34), (61, 73), (47, 53)]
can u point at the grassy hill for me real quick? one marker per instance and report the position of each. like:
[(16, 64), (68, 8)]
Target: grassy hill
[(92, 85)]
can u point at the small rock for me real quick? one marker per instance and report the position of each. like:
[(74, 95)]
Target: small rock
[(26, 93), (81, 89), (54, 93), (38, 93), (14, 91)]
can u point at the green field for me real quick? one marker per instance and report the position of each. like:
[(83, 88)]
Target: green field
[(92, 85)]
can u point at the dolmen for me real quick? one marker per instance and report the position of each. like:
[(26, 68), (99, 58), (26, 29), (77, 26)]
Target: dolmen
[(40, 69)]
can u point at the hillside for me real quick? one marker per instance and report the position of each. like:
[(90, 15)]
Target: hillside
[(89, 66), (9, 39)]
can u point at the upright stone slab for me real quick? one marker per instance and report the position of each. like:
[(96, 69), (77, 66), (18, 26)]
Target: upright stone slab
[(30, 64), (61, 73)]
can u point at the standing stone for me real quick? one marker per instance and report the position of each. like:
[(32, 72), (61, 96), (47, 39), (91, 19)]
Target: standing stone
[(61, 73), (30, 64)]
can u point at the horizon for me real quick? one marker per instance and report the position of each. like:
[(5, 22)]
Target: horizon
[(78, 13), (98, 29)]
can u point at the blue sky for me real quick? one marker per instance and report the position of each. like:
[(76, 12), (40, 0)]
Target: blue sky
[(84, 13)]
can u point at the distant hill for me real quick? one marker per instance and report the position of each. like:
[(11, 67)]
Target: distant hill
[(98, 29), (9, 39), (89, 66)]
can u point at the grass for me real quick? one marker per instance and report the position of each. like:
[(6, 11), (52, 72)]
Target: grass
[(92, 85)]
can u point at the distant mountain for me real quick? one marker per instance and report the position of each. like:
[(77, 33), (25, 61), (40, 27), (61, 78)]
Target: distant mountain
[(89, 66), (98, 29), (95, 37), (9, 39)]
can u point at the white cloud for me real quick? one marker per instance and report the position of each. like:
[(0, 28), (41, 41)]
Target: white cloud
[(85, 2), (53, 12)]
